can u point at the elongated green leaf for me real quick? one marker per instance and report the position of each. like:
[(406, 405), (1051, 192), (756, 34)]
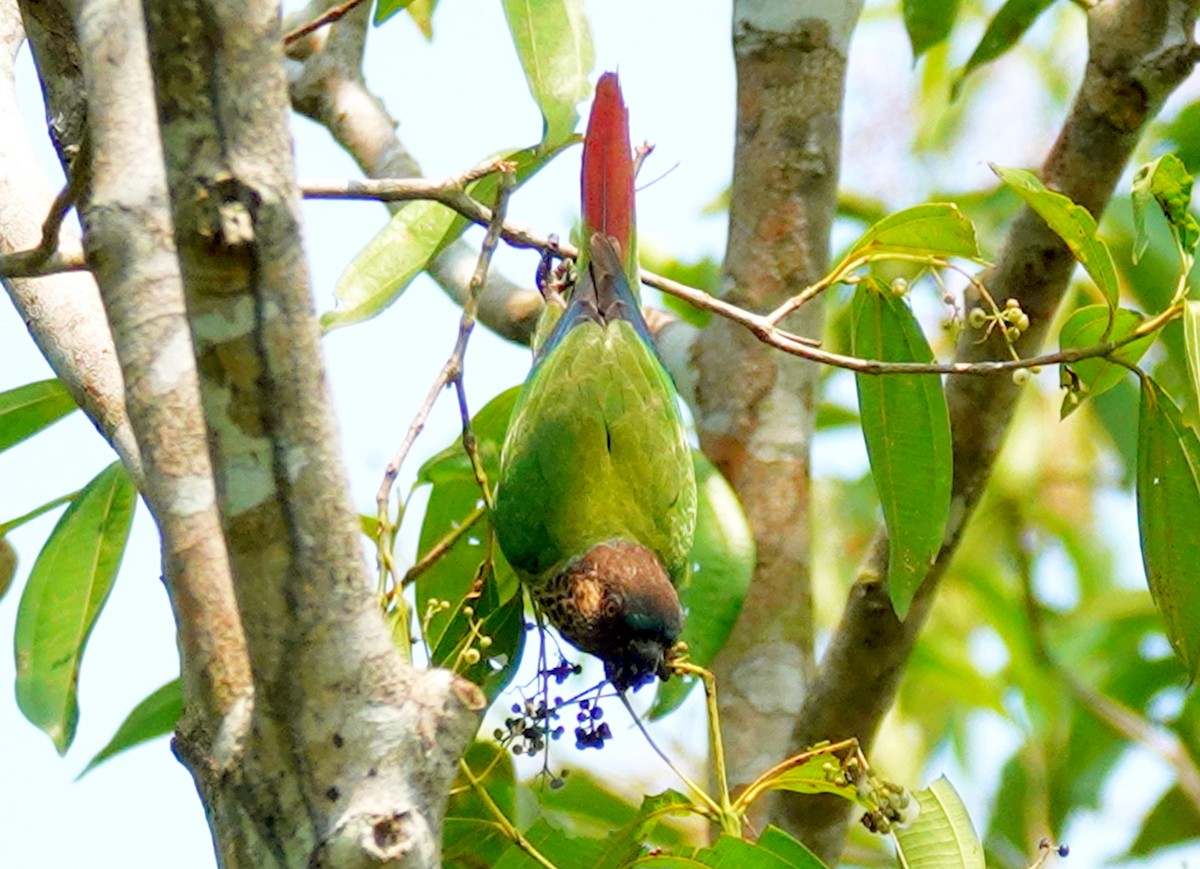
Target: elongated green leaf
[(942, 836), (554, 42), (1007, 26), (907, 430), (472, 571), (936, 228), (928, 22), (28, 409), (417, 233), (1191, 343), (1070, 222), (1166, 182), (155, 716), (723, 559), (1088, 378), (421, 13), (1168, 496), (66, 591), (623, 846), (387, 265)]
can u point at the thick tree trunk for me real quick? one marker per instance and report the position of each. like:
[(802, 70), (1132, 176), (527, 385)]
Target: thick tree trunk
[(754, 406)]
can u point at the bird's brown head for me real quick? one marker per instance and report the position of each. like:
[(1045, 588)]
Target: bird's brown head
[(617, 603)]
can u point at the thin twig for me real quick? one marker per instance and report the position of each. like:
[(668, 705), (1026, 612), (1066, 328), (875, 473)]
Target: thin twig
[(502, 820), (684, 777), (46, 259), (451, 193), (451, 373), (35, 264), (442, 546), (327, 17)]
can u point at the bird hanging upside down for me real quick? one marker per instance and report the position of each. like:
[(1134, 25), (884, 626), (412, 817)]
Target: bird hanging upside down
[(596, 502)]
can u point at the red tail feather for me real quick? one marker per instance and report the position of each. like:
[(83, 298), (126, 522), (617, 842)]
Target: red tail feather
[(608, 165)]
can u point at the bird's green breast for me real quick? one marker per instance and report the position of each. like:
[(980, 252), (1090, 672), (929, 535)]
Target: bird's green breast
[(595, 451)]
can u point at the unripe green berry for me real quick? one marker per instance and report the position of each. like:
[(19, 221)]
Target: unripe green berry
[(977, 318), (1021, 376)]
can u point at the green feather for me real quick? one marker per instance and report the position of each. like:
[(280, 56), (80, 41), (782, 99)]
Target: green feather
[(595, 452)]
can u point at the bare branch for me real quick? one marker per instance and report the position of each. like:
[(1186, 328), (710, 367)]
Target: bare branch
[(63, 313), (331, 15), (328, 87)]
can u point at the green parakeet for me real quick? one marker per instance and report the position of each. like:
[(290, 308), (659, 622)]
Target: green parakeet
[(596, 502)]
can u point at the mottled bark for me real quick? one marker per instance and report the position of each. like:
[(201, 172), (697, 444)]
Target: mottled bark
[(346, 757), (1139, 51), (754, 407)]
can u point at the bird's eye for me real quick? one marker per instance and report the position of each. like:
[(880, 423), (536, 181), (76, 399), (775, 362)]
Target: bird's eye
[(610, 608)]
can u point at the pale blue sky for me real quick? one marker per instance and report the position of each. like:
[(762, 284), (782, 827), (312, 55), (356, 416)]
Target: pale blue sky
[(458, 100)]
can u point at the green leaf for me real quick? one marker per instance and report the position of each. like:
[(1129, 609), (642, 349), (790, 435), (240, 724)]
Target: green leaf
[(1191, 343), (783, 845), (387, 265), (933, 229), (928, 22), (723, 559), (155, 716), (906, 426), (729, 852), (385, 9), (1007, 26), (66, 591), (421, 12), (28, 409), (1088, 327), (1168, 496), (942, 836), (1171, 822), (565, 852), (470, 835), (1166, 182), (8, 565), (472, 571), (554, 42), (1070, 222), (623, 846), (418, 232)]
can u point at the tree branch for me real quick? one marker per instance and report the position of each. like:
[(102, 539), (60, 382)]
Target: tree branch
[(349, 753), (63, 313), (755, 408), (327, 85), (1139, 51), (128, 234)]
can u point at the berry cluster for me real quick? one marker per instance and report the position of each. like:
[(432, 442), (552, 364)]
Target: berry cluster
[(591, 732), (529, 729)]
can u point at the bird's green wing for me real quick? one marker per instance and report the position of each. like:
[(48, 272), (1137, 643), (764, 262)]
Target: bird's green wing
[(595, 452)]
